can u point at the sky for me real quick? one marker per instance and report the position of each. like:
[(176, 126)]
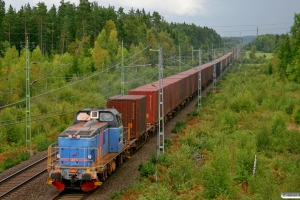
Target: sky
[(227, 17)]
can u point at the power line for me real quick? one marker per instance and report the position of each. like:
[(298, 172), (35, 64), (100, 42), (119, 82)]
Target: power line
[(50, 112), (255, 30), (251, 25), (74, 82), (5, 77)]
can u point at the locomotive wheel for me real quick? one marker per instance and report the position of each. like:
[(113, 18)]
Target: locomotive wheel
[(109, 169), (121, 159), (124, 157), (113, 166), (103, 176)]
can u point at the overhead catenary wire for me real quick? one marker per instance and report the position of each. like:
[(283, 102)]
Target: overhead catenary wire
[(109, 68), (50, 92), (5, 77), (33, 120)]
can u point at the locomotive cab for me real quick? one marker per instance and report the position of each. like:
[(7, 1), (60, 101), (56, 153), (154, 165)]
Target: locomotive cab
[(83, 147), (111, 116)]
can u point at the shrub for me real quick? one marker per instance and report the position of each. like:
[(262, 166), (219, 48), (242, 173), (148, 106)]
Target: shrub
[(24, 155), (296, 116), (243, 102), (179, 126), (41, 142), (195, 113), (278, 124), (293, 141), (147, 169), (225, 120), (216, 175), (263, 139), (289, 107)]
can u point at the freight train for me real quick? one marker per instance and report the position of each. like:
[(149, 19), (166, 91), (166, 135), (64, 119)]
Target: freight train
[(102, 139)]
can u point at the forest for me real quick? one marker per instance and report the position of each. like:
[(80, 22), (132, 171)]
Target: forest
[(241, 145), (74, 55), (69, 27)]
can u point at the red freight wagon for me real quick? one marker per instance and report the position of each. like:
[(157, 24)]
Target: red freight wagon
[(189, 83), (206, 73), (151, 102), (193, 75), (224, 62), (167, 95), (185, 85), (133, 110), (176, 87)]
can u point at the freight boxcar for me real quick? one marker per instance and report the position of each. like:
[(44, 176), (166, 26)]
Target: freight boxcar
[(133, 111), (151, 94)]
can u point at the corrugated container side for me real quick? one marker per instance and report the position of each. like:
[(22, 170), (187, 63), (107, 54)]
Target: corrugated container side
[(175, 94), (133, 110), (193, 75), (218, 69), (207, 76), (151, 102), (185, 87), (166, 97)]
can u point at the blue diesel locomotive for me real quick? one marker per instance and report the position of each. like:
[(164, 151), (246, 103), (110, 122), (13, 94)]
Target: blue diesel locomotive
[(88, 151)]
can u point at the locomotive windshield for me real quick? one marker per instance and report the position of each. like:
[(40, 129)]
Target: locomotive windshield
[(107, 117), (83, 116)]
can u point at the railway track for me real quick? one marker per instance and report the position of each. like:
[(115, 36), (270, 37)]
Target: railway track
[(11, 183), (74, 195)]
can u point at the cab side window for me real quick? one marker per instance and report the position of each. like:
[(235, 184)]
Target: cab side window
[(107, 117), (119, 120)]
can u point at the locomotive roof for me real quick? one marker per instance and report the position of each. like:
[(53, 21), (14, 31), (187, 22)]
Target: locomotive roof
[(112, 110), (84, 129)]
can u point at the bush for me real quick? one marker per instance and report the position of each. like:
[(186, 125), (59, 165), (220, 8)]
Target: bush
[(278, 124), (289, 107), (263, 140), (147, 169), (41, 142), (243, 102), (24, 155), (226, 120), (179, 126), (296, 116), (216, 175), (293, 141)]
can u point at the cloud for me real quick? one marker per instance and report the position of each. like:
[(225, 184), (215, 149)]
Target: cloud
[(168, 7)]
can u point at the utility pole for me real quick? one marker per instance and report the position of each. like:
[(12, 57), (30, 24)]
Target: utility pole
[(28, 117), (122, 72), (199, 81), (160, 135), (193, 55), (179, 59), (215, 74)]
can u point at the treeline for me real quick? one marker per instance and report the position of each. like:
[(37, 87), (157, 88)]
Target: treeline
[(287, 53), (265, 43), (67, 27), (75, 54)]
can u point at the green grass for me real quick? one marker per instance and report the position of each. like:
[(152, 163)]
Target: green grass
[(213, 157), (260, 54)]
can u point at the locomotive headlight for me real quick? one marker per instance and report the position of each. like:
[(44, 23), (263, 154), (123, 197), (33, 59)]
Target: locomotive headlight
[(89, 156), (58, 156), (70, 136), (78, 136)]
